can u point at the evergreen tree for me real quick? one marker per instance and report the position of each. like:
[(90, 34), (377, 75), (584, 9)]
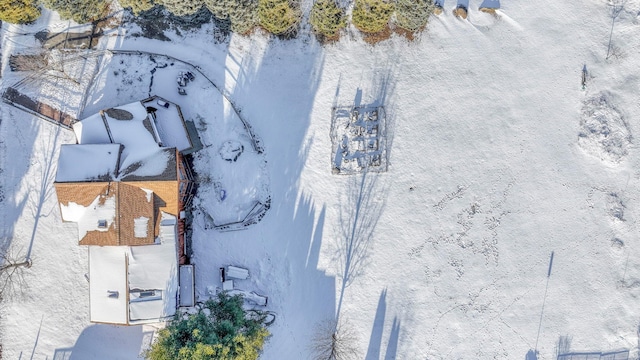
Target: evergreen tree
[(221, 330), (19, 11), (279, 17), (371, 16), (413, 15), (80, 11), (327, 19), (241, 14), (137, 6), (182, 7)]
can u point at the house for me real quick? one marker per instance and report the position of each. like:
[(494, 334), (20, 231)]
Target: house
[(126, 184)]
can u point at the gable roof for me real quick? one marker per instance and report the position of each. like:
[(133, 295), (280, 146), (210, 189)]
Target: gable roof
[(94, 162)]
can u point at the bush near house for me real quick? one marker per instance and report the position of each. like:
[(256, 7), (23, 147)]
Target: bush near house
[(327, 19), (137, 6), (19, 11), (80, 11), (182, 7), (242, 15), (371, 16), (412, 15), (279, 17), (221, 329)]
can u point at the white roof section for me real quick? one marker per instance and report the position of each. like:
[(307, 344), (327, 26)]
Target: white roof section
[(89, 218), (108, 284), (170, 126), (77, 163), (139, 140), (152, 275), (91, 130)]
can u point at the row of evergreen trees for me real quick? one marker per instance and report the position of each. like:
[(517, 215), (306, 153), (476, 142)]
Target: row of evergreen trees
[(279, 17)]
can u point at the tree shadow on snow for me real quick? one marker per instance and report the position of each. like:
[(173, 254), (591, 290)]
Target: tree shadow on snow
[(42, 191), (362, 205), (491, 4), (273, 85), (377, 330), (18, 134)]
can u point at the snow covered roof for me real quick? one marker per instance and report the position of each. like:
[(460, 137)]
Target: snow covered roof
[(147, 133), (169, 123), (135, 285), (109, 213), (78, 162)]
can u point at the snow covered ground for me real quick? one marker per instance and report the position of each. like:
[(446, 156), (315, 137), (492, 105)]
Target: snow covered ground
[(497, 158)]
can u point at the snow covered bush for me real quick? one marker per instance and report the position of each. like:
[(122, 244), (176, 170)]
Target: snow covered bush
[(182, 7), (279, 17), (412, 15), (80, 11), (604, 131), (221, 329), (327, 19), (19, 11), (241, 14), (371, 16), (137, 6)]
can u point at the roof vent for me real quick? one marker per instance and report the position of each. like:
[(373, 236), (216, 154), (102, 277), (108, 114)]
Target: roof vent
[(102, 224), (113, 294)]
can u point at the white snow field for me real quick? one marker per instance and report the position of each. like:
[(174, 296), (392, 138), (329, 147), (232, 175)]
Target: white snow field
[(496, 158)]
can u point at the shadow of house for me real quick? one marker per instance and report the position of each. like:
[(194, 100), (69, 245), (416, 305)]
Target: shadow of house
[(92, 344), (125, 184)]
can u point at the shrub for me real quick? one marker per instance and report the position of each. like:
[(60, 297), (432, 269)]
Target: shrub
[(19, 11), (80, 11), (371, 16), (222, 329), (241, 14), (412, 15), (182, 7), (136, 6), (327, 19), (279, 17)]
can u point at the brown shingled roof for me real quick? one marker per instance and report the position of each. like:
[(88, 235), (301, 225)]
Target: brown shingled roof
[(131, 204)]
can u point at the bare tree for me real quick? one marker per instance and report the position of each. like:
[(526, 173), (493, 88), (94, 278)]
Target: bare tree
[(12, 274), (335, 340)]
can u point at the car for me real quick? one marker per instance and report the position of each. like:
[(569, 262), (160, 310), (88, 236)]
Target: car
[(163, 103)]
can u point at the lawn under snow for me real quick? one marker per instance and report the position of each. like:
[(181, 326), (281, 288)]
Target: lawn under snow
[(497, 158)]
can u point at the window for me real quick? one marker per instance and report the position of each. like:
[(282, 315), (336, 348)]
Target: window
[(138, 295)]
